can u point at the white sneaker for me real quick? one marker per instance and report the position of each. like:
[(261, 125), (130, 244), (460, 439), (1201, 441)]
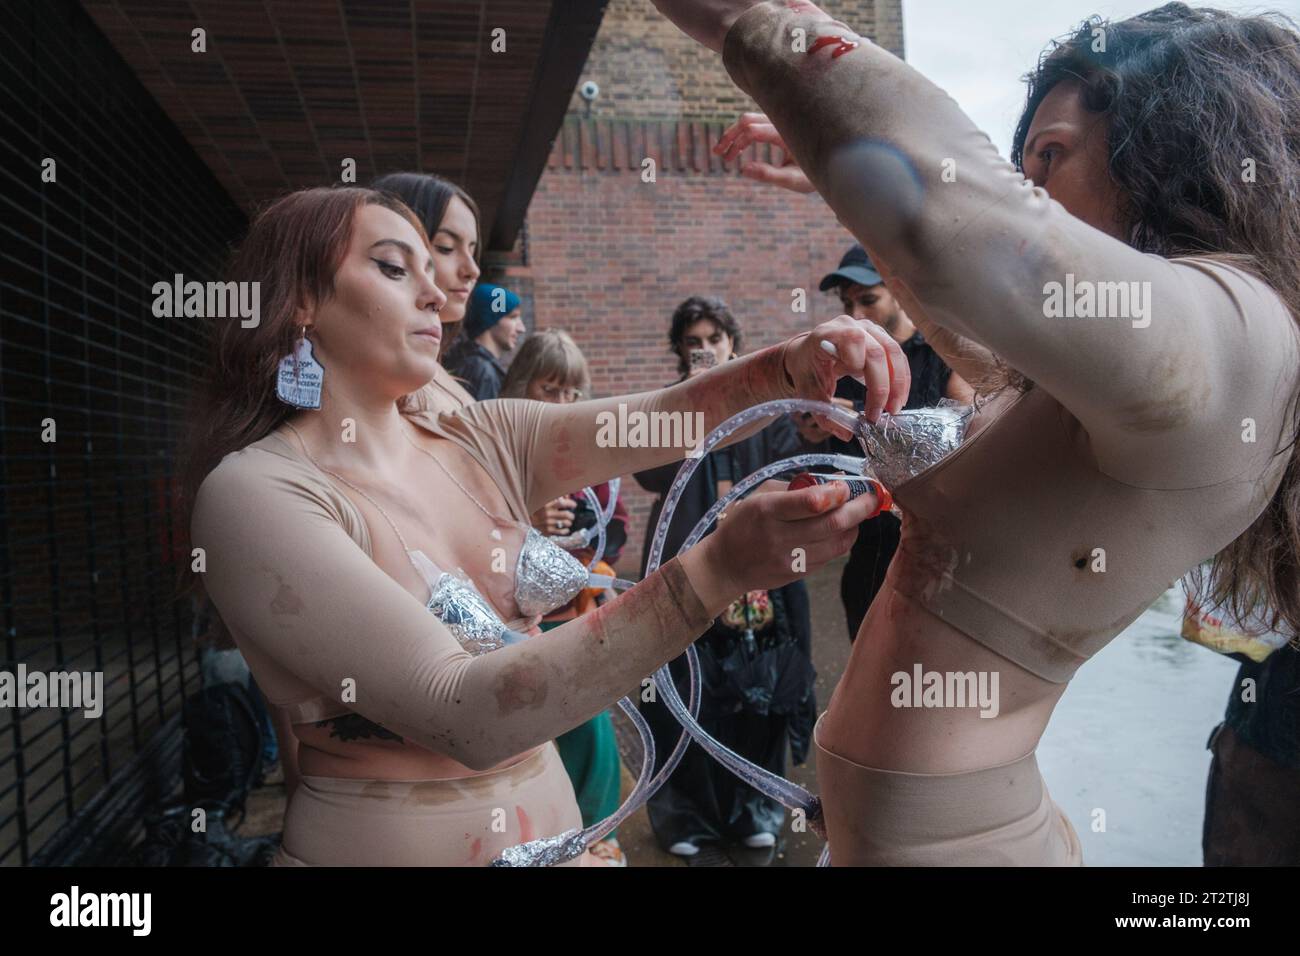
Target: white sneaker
[(758, 841), (684, 848)]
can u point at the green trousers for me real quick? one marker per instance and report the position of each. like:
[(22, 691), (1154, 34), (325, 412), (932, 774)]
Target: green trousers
[(590, 755)]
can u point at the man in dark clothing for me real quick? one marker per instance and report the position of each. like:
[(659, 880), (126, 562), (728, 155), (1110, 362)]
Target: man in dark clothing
[(756, 659), (864, 296), (491, 328)]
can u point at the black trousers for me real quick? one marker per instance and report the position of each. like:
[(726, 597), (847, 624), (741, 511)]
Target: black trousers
[(864, 574), (703, 801), (1252, 817)]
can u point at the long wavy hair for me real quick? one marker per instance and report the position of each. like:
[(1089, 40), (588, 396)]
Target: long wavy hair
[(293, 249), (1203, 112)]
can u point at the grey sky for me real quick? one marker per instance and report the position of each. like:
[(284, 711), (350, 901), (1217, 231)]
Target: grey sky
[(978, 51)]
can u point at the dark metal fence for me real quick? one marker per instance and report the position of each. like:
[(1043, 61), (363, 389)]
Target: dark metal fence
[(92, 396)]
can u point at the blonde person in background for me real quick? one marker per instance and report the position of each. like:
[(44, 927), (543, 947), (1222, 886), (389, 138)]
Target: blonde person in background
[(551, 368)]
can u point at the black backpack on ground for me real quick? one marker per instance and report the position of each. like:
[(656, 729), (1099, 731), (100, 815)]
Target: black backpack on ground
[(221, 762)]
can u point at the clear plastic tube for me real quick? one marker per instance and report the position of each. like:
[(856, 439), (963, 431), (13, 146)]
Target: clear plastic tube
[(601, 522), (906, 444), (663, 677), (790, 795)]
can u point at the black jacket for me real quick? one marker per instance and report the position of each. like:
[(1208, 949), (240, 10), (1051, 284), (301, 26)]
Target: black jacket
[(776, 674), (478, 368)]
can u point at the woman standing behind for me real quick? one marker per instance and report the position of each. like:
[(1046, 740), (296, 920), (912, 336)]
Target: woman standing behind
[(551, 368), (756, 659), (451, 218)]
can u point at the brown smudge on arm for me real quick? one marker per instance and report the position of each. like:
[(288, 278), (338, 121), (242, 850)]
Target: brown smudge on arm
[(285, 600), (521, 685)]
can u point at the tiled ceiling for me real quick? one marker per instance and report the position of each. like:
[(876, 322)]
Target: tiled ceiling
[(289, 89)]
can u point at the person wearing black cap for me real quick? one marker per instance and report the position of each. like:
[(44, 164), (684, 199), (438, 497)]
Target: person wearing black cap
[(864, 296), (492, 327)]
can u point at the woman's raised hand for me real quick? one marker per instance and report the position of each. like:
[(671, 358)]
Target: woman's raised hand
[(816, 360), (757, 128)]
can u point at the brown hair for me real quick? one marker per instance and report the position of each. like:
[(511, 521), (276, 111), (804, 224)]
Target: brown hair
[(548, 354), (293, 249), (1190, 94)]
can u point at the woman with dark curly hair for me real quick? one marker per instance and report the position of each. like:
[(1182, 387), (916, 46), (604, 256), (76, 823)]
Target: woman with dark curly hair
[(1132, 285)]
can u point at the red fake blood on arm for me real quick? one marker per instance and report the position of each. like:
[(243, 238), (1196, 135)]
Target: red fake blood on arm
[(841, 45), (563, 462)]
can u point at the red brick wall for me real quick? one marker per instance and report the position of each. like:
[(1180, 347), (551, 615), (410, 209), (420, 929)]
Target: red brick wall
[(608, 257)]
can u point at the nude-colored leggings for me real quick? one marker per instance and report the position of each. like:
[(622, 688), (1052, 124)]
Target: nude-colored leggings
[(996, 816), (334, 821)]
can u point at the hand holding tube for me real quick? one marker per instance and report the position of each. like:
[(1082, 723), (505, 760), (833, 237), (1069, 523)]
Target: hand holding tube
[(756, 543)]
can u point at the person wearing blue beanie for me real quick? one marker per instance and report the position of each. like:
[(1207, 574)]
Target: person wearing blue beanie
[(491, 328)]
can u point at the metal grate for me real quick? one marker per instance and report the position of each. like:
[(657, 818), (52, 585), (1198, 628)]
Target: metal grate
[(87, 536)]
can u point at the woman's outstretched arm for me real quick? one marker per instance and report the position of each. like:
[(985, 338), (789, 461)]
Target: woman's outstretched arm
[(1161, 386), (287, 577), (585, 442)]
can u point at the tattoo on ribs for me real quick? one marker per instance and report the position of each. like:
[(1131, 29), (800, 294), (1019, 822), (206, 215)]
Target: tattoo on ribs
[(356, 727)]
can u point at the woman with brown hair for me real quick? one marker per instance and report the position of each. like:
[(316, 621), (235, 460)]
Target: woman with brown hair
[(1133, 282), (375, 565), (450, 218)]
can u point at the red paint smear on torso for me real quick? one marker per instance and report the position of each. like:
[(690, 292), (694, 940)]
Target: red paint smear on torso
[(525, 825)]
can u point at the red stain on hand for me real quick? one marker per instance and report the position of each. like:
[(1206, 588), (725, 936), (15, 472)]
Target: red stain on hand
[(525, 825), (841, 45)]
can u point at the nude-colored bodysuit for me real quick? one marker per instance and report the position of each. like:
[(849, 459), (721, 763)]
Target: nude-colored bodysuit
[(327, 632), (1148, 442)]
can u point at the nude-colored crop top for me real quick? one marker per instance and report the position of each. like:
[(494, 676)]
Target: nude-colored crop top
[(289, 568), (1149, 441)]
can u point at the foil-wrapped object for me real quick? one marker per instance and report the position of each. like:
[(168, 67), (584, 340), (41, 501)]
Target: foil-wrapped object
[(546, 576), (546, 851), (902, 446), (459, 606)]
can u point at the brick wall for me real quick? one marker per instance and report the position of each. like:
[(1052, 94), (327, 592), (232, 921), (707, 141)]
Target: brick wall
[(608, 257), (645, 67)]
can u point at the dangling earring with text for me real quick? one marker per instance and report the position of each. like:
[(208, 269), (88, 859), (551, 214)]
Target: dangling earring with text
[(298, 382)]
